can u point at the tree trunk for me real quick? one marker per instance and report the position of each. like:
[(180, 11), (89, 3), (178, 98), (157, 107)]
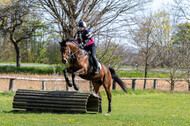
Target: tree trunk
[(188, 85), (172, 85), (145, 75), (18, 58), (188, 76)]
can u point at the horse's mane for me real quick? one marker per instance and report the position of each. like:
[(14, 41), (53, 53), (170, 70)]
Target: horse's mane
[(64, 41)]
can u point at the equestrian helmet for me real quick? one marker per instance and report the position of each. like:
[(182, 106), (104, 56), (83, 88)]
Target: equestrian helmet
[(82, 24)]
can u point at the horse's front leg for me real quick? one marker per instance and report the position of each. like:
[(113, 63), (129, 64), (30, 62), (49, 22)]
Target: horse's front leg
[(78, 72), (76, 87), (66, 78)]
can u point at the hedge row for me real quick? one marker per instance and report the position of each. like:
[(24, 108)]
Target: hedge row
[(31, 70)]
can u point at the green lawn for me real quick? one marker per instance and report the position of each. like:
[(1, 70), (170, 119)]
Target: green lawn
[(138, 108), (140, 74)]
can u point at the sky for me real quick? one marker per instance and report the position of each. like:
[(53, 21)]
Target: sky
[(157, 4)]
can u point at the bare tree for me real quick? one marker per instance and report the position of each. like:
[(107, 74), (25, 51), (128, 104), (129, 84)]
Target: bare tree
[(12, 18), (183, 8), (103, 18), (174, 64), (143, 41), (97, 13)]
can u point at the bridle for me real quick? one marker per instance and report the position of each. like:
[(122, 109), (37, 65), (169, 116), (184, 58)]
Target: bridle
[(67, 55), (70, 55)]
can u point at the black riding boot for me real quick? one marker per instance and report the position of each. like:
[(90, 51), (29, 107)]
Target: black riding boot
[(96, 66), (92, 49)]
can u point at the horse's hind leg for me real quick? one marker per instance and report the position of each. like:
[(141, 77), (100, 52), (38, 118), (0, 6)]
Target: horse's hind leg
[(97, 91), (66, 78), (107, 85)]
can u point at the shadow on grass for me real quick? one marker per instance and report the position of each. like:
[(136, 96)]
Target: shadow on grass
[(39, 112)]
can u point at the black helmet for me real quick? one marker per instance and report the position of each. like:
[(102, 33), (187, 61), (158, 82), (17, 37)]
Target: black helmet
[(82, 24)]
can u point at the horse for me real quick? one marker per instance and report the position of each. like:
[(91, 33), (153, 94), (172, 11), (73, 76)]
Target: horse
[(80, 65)]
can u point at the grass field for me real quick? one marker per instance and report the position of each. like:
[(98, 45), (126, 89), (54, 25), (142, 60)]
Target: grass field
[(138, 108), (151, 74)]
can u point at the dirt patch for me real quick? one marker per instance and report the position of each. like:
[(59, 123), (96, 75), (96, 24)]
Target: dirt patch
[(84, 85), (161, 85)]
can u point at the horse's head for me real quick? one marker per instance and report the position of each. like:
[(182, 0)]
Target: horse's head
[(65, 51)]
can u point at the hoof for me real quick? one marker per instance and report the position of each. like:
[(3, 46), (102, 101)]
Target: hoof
[(69, 84), (76, 87), (107, 114)]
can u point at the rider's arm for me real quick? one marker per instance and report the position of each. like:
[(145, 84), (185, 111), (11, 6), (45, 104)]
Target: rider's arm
[(90, 42), (90, 38)]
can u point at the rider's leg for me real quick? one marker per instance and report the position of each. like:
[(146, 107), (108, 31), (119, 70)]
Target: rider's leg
[(93, 54)]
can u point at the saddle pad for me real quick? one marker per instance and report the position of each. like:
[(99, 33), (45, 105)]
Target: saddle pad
[(99, 65)]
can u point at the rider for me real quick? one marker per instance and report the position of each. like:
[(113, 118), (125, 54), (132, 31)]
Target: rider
[(86, 41)]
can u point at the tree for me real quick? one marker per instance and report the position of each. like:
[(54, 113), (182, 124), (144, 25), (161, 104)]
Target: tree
[(97, 13), (6, 49), (111, 53), (12, 19), (102, 17), (152, 37), (143, 40), (183, 8), (53, 55), (182, 43), (4, 3)]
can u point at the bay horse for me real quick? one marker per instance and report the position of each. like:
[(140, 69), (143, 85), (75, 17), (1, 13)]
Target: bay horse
[(79, 64)]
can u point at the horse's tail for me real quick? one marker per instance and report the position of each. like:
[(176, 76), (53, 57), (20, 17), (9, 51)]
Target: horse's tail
[(117, 79)]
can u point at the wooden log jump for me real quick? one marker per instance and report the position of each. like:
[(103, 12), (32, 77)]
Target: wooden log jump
[(56, 101)]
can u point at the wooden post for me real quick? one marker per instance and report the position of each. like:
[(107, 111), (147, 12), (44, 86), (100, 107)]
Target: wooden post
[(114, 85), (134, 84), (155, 84), (43, 85), (90, 82), (11, 85)]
